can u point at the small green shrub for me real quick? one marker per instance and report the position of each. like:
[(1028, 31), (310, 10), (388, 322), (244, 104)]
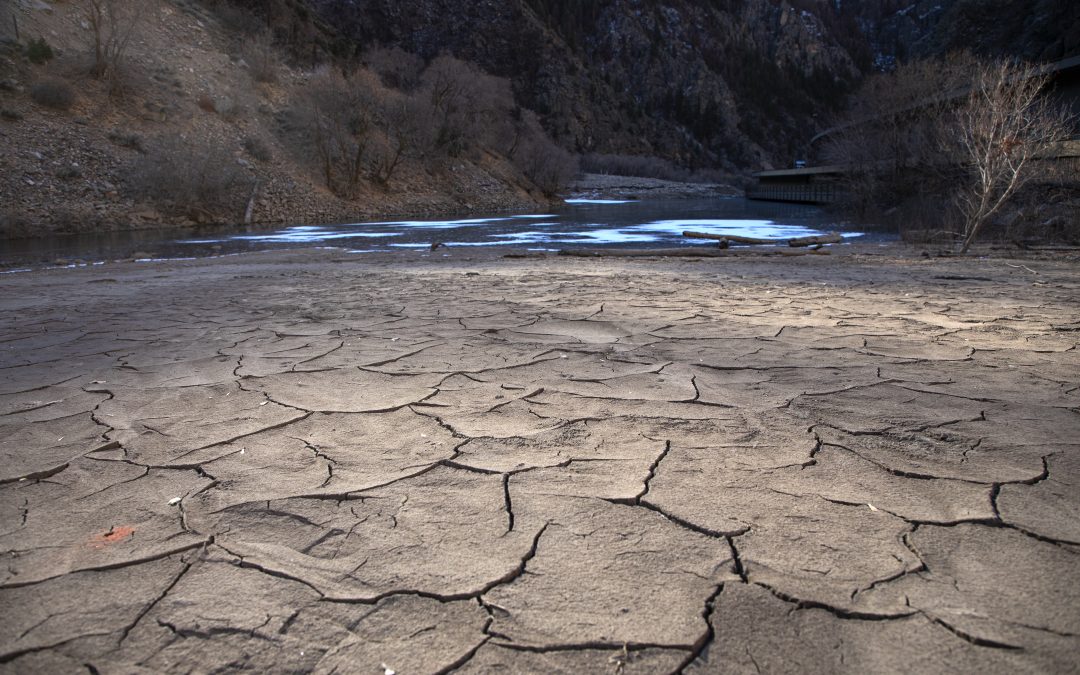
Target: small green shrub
[(53, 93), (39, 51), (11, 115)]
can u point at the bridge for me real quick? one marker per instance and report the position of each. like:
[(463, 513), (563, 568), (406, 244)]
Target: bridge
[(808, 185)]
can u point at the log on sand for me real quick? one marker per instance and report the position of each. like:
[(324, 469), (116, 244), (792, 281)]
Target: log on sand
[(732, 238), (817, 240)]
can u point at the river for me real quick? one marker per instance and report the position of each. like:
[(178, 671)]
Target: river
[(579, 223)]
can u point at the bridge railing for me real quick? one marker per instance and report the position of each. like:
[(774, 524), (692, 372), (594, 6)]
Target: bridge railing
[(806, 193)]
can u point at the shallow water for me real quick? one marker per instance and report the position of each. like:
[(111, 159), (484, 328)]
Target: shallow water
[(579, 223)]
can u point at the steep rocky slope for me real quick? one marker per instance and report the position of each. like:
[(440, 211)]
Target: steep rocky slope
[(722, 83), (1039, 30), (735, 84), (76, 167)]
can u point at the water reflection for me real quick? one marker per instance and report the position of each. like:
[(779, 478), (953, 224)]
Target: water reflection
[(582, 222)]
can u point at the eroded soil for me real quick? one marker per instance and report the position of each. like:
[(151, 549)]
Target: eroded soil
[(306, 462)]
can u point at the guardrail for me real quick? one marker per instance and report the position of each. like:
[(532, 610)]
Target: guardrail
[(808, 193)]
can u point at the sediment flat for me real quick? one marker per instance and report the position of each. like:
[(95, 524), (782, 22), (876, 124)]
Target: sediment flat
[(320, 462)]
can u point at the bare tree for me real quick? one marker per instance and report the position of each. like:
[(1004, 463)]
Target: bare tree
[(192, 175), (949, 139), (112, 24), (335, 115), (398, 68), (406, 122), (465, 102), (1003, 127), (543, 162)]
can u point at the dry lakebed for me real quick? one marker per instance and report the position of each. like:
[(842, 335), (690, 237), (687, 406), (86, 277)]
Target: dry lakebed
[(310, 461)]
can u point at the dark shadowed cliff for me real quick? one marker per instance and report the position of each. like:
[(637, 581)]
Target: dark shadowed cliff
[(733, 84)]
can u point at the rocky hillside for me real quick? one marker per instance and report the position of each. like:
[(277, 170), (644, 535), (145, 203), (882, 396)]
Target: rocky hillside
[(734, 84), (209, 120), (1039, 30), (723, 83)]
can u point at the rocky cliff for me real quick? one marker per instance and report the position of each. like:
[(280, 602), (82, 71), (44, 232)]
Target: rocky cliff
[(722, 83), (733, 84)]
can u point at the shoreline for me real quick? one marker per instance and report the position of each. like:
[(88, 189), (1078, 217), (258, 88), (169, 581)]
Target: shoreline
[(892, 250), (593, 186)]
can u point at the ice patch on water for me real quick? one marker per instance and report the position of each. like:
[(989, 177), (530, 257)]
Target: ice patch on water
[(311, 234), (439, 224), (763, 229)]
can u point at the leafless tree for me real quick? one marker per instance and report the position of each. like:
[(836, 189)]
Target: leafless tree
[(406, 125), (112, 25), (950, 140), (336, 116), (543, 162), (464, 102), (398, 68), (189, 175), (1003, 127)]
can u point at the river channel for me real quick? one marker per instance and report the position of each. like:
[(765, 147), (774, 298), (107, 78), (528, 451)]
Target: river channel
[(579, 223)]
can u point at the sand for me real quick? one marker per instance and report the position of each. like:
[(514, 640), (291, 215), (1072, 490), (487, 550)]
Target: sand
[(321, 462)]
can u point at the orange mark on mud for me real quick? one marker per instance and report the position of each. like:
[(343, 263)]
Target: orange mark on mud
[(114, 535)]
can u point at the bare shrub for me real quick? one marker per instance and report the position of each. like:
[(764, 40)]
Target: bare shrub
[(73, 219), (543, 162), (257, 148), (112, 25), (1003, 126), (955, 137), (261, 55), (397, 68), (127, 139), (184, 176), (15, 224), (465, 104), (331, 121), (401, 137), (53, 93), (69, 172)]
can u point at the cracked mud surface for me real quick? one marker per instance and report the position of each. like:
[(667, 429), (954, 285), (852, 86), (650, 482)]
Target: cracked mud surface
[(295, 462)]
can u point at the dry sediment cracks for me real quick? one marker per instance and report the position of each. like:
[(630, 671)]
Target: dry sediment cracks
[(548, 466)]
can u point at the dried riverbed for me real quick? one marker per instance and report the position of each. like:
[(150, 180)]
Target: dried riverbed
[(309, 461)]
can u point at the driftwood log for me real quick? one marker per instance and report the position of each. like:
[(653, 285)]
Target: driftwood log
[(725, 239), (732, 238)]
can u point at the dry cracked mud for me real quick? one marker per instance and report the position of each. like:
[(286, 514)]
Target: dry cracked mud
[(307, 462)]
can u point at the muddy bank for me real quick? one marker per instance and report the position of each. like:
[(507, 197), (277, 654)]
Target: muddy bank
[(302, 461)]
